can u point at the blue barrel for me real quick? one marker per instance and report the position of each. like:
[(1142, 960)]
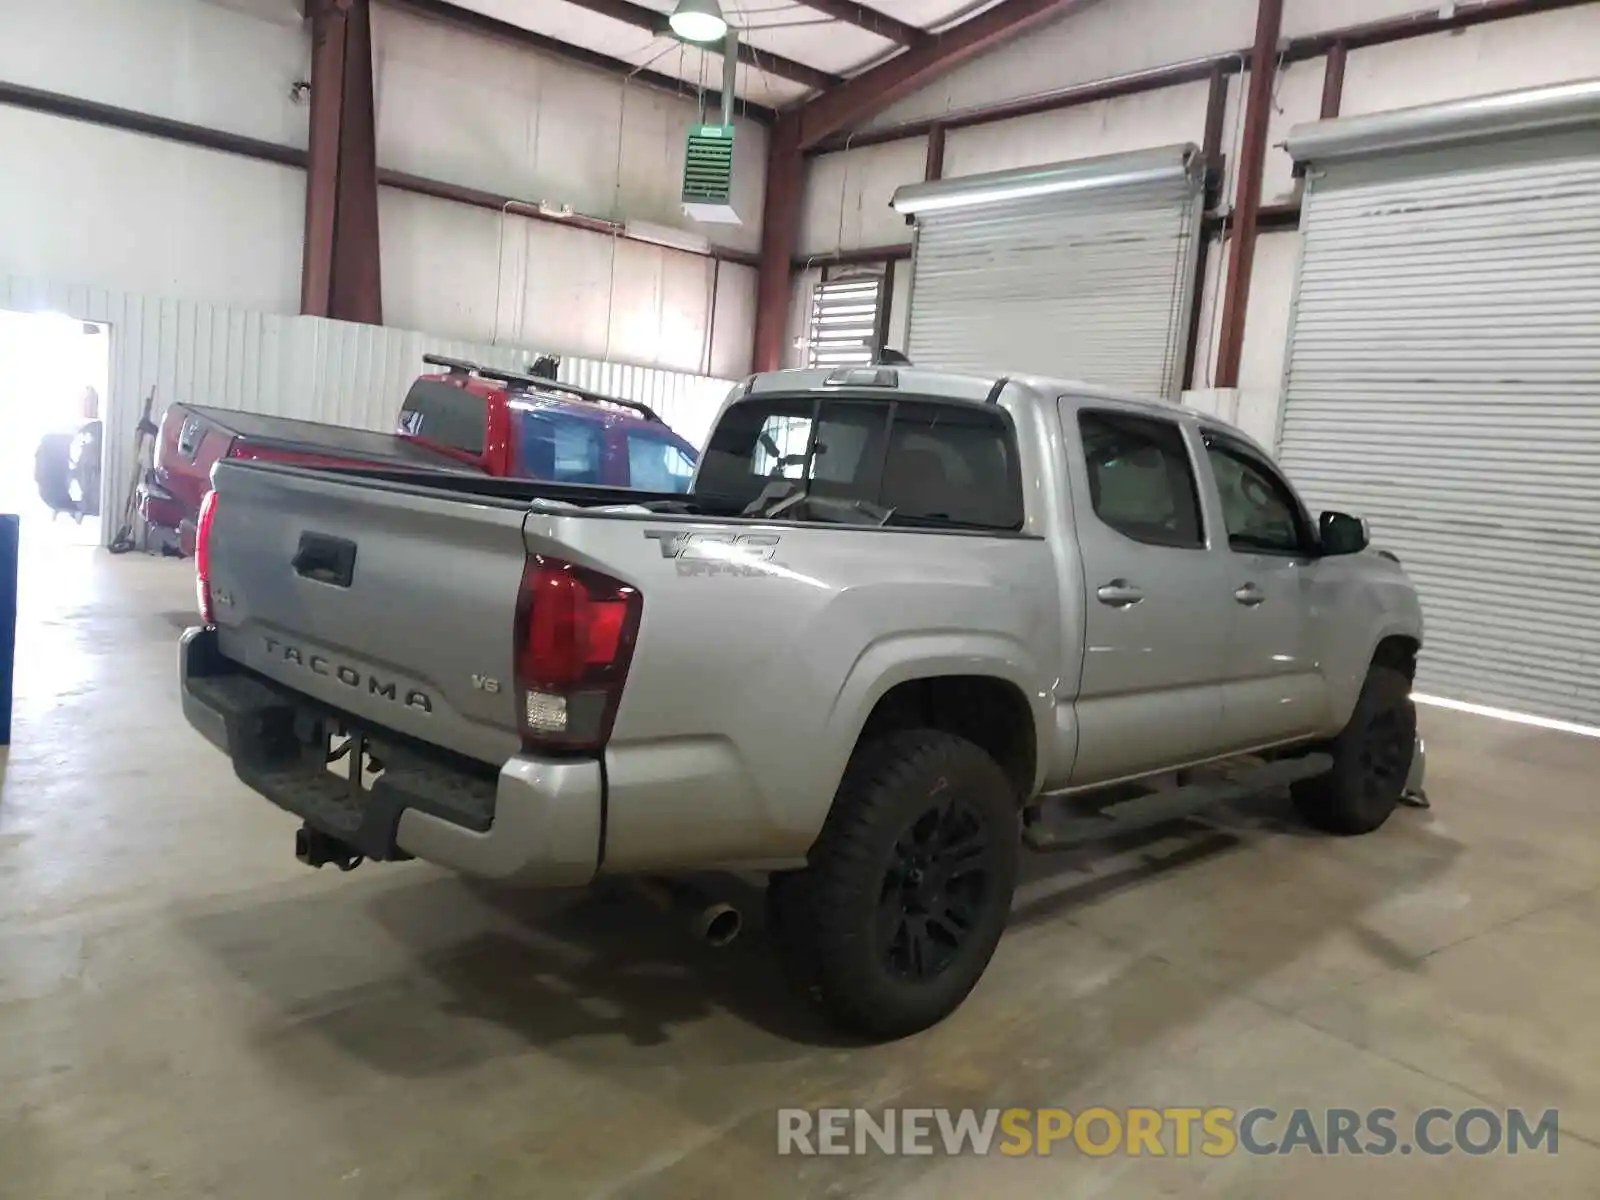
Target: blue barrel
[(10, 540)]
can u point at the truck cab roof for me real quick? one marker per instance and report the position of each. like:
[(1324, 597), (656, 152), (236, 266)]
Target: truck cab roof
[(952, 385), (1008, 391)]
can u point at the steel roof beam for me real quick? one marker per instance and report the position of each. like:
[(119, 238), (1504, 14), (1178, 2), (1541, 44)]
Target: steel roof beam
[(869, 19), (655, 23)]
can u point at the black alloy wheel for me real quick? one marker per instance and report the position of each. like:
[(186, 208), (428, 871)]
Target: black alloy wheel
[(937, 883)]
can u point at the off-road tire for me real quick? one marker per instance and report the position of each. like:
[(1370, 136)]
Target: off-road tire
[(1371, 759), (908, 887)]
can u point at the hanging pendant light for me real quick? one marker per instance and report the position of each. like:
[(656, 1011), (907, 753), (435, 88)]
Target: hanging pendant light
[(698, 21)]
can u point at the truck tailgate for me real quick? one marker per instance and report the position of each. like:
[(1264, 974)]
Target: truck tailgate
[(394, 605)]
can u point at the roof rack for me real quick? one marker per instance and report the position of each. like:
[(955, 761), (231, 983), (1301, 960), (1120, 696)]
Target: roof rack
[(537, 380)]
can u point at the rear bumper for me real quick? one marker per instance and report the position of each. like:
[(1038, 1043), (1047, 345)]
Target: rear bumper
[(158, 506), (537, 821)]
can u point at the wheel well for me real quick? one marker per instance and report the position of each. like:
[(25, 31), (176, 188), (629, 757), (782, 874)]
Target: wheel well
[(991, 713), (1400, 653)]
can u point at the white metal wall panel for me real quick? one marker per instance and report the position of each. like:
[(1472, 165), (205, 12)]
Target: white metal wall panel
[(357, 375), (1092, 285), (1444, 382), (306, 367)]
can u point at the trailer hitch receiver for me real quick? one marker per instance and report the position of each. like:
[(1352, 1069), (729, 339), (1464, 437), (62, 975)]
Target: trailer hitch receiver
[(318, 849)]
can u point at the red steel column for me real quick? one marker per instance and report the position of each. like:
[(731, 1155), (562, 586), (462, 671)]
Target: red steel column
[(780, 231), (1215, 168), (1333, 81), (1247, 192), (933, 167), (328, 26), (357, 270), (340, 274)]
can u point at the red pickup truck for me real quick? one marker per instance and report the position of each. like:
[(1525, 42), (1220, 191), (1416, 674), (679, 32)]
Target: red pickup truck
[(467, 417)]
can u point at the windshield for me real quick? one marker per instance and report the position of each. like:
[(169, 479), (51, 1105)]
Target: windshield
[(656, 464), (924, 462)]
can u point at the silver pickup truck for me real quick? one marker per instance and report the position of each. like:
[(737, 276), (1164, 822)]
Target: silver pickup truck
[(904, 624)]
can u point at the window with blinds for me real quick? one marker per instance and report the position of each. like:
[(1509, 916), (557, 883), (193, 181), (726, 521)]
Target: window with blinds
[(844, 321)]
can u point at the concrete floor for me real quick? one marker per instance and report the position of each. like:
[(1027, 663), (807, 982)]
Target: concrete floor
[(185, 1011)]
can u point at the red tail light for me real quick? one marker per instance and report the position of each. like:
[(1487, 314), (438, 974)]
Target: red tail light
[(573, 643), (202, 556)]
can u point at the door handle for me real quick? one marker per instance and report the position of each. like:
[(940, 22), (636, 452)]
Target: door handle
[(1119, 593), (1250, 595)]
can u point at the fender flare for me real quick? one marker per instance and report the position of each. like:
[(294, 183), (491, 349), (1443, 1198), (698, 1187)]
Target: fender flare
[(904, 657), (1392, 629), (1350, 690)]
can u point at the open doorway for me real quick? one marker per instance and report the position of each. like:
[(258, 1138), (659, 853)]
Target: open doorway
[(54, 375)]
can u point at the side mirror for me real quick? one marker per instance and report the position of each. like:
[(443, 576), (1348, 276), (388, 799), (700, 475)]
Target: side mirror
[(1340, 533)]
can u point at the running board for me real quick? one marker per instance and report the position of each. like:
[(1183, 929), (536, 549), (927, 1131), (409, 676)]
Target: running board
[(1069, 830)]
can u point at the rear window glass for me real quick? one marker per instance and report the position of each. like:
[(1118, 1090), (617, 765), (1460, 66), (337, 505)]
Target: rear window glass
[(932, 463), (560, 448), (658, 465), (1140, 479), (445, 414)]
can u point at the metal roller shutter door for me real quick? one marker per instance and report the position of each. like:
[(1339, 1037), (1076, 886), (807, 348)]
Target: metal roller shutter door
[(1444, 381), (1092, 281)]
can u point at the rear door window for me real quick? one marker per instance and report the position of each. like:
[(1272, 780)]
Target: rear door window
[(1141, 480), (658, 465), (446, 415), (558, 447)]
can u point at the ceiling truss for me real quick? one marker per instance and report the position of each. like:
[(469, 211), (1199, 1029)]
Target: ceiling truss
[(897, 56)]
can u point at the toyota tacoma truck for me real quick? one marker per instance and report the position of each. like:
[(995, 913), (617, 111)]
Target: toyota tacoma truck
[(466, 418), (903, 625)]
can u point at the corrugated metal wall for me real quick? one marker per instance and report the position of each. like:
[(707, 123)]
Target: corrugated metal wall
[(304, 367)]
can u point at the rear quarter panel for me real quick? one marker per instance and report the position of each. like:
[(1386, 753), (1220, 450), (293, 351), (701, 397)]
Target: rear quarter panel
[(753, 675)]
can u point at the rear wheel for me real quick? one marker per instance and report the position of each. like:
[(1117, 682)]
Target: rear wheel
[(909, 885), (1371, 760)]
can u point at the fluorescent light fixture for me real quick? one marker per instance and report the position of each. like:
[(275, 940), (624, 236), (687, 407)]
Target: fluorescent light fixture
[(698, 21), (1022, 183), (1501, 714)]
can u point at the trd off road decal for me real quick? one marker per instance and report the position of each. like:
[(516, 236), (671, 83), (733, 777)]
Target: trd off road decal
[(744, 554)]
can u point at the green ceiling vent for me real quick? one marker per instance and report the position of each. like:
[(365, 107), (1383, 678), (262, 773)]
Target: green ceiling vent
[(708, 175)]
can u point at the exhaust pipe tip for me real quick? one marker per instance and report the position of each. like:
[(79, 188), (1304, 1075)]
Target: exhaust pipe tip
[(714, 922), (719, 925)]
